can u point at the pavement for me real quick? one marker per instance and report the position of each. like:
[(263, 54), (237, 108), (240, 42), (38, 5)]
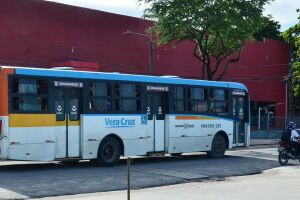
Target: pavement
[(25, 180), (35, 180), (275, 184)]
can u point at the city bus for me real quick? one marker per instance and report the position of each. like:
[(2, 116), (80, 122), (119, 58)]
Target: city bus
[(61, 115)]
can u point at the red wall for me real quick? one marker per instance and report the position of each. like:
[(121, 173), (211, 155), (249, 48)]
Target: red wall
[(261, 68), (42, 34)]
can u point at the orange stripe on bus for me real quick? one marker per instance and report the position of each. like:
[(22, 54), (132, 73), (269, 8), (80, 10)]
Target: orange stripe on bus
[(186, 117), (4, 90), (37, 120)]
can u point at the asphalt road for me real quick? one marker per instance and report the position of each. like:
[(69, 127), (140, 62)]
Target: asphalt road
[(274, 184), (23, 180)]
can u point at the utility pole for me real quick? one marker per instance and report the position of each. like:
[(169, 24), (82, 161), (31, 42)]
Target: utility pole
[(150, 56), (285, 81), (289, 81), (129, 160)]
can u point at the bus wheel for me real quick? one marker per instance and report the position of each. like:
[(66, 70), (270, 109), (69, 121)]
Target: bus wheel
[(109, 152), (218, 147)]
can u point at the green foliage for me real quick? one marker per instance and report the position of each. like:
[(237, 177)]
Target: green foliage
[(296, 78), (292, 36), (270, 29), (218, 28)]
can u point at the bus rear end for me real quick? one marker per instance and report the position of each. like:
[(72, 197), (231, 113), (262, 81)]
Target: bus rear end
[(4, 72)]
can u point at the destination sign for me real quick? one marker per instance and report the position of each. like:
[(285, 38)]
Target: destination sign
[(239, 93), (68, 84), (157, 88)]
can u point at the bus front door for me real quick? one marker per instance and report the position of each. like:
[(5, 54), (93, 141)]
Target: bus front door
[(156, 110), (67, 108), (239, 113)]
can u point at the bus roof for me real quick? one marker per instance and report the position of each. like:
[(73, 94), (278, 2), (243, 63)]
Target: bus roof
[(123, 77)]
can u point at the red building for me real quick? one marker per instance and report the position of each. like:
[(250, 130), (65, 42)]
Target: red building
[(46, 34)]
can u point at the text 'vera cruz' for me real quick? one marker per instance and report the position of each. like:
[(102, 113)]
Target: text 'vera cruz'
[(122, 122)]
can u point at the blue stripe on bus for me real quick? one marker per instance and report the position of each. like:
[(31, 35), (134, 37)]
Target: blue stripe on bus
[(125, 77)]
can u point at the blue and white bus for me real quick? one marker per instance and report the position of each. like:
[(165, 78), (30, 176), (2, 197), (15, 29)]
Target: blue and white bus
[(48, 115)]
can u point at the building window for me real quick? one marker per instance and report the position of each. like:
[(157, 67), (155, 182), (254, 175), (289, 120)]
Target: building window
[(30, 95), (100, 97), (128, 98)]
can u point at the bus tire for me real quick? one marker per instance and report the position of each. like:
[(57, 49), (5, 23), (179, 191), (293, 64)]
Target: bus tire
[(109, 152), (218, 147)]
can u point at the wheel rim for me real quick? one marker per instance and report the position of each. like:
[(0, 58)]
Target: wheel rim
[(283, 159), (108, 152), (218, 147)]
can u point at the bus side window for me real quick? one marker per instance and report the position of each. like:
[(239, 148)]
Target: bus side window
[(128, 98), (74, 109), (149, 108), (219, 101), (197, 100), (100, 97), (59, 105), (29, 95), (179, 103), (241, 111), (60, 110)]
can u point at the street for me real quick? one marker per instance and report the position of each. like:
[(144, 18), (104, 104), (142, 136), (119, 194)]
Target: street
[(25, 180), (275, 184)]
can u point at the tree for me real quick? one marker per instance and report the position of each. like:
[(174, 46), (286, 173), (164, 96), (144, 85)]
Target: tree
[(292, 37), (218, 29), (270, 29)]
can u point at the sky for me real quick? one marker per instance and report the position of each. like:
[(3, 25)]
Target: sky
[(283, 11)]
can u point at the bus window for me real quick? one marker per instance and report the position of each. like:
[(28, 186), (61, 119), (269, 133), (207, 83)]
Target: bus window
[(29, 103), (128, 97), (241, 112), (100, 97), (195, 106), (179, 104), (74, 108), (197, 100), (59, 105), (30, 95), (25, 86), (218, 101), (219, 95)]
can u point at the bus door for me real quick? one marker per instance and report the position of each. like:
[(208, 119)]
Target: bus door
[(239, 114), (67, 108), (157, 107)]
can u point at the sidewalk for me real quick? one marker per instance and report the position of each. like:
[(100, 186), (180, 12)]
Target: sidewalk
[(257, 142)]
